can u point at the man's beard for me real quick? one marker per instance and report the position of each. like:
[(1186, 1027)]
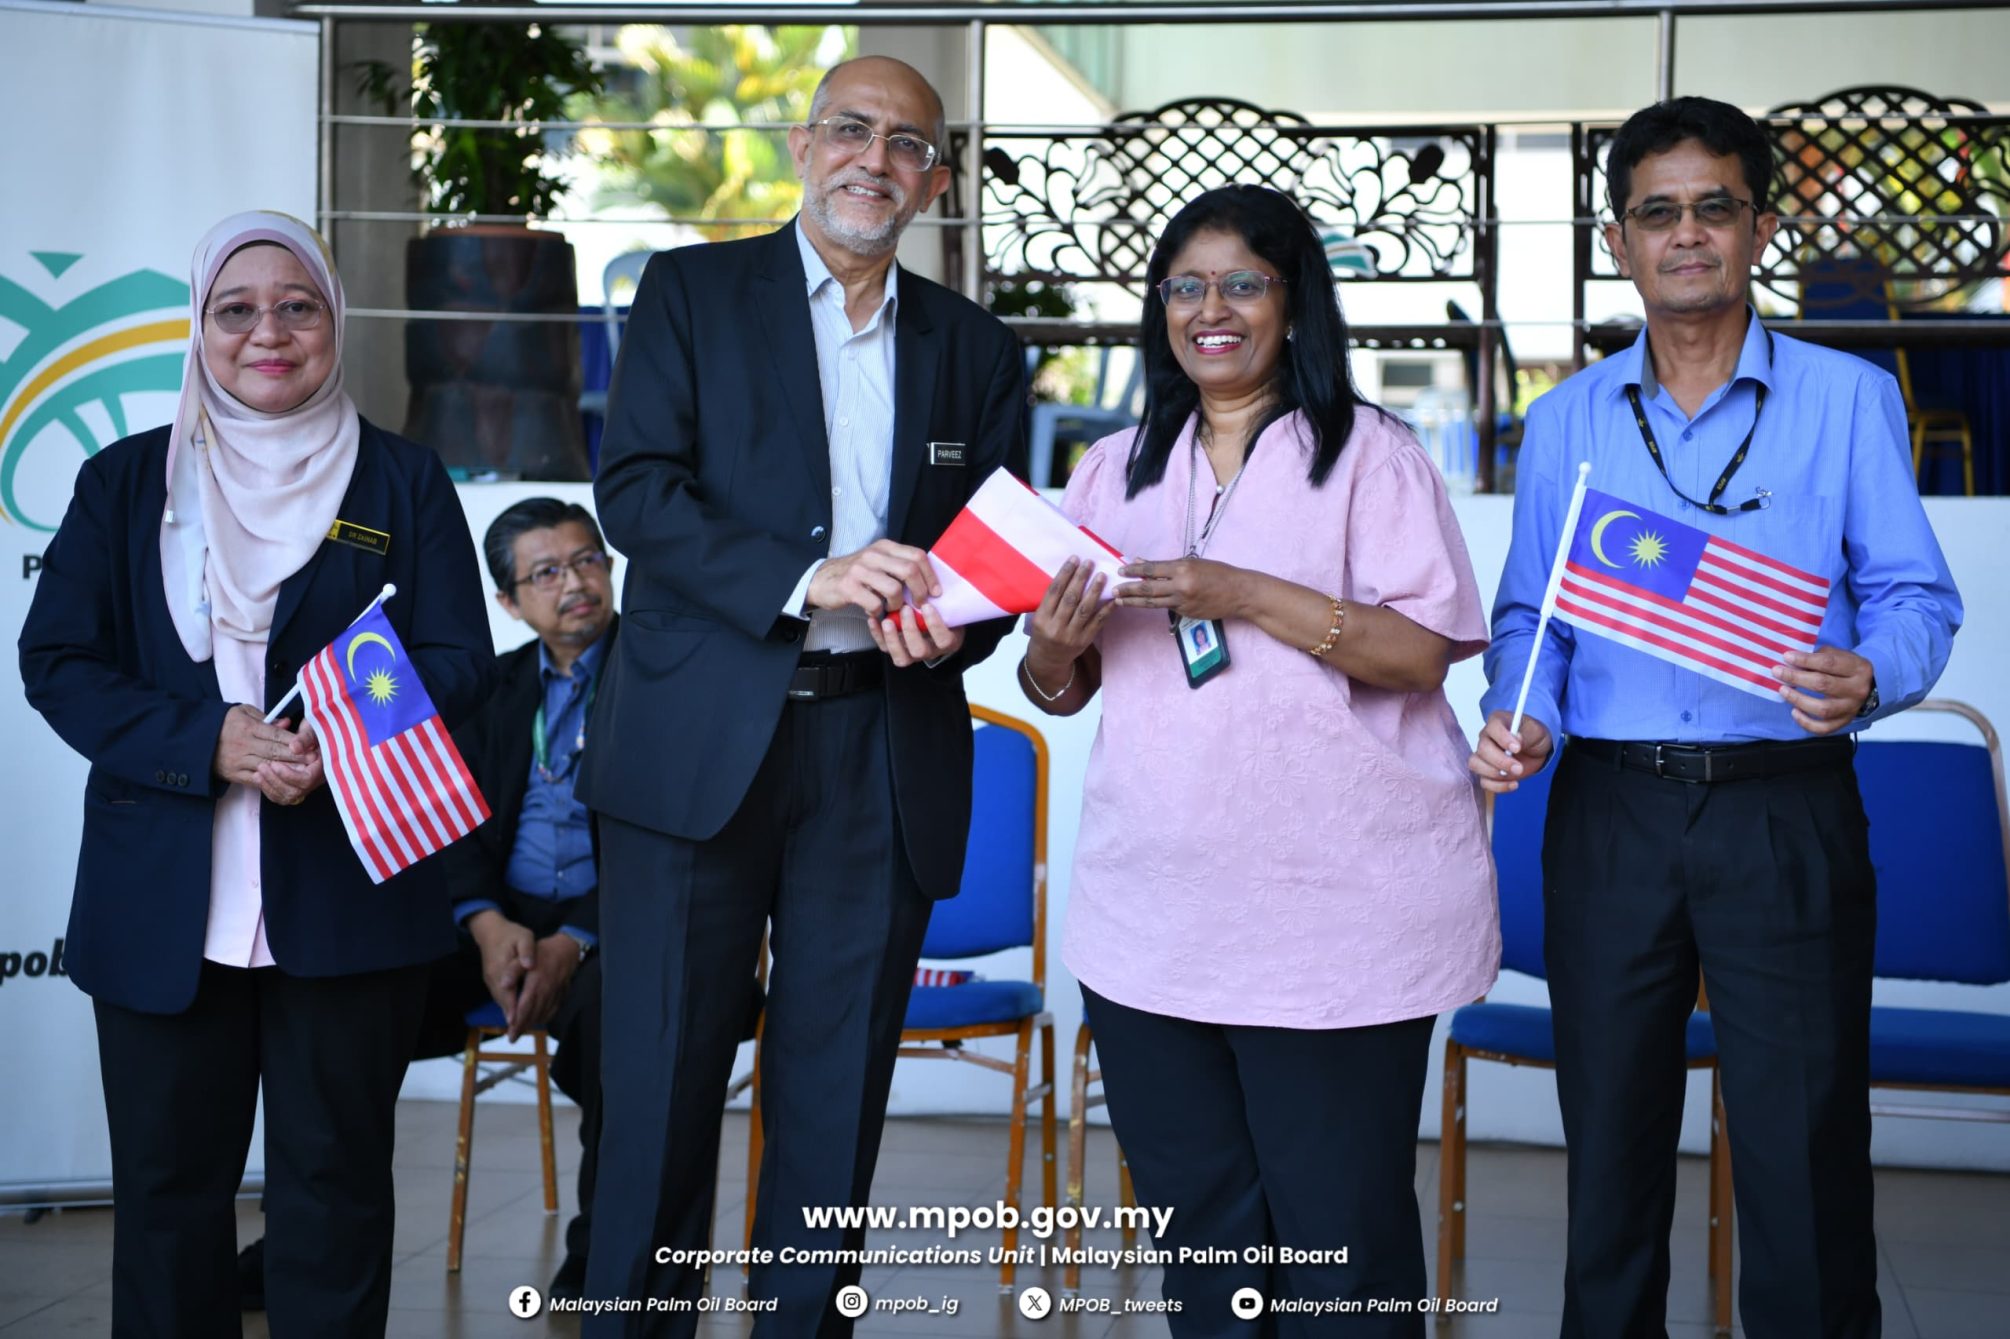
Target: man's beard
[(874, 240)]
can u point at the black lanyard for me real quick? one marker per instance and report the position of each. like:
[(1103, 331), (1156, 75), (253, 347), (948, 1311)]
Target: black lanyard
[(1762, 500)]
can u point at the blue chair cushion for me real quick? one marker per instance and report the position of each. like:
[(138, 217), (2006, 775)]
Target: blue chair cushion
[(489, 1014), (971, 1003), (1940, 1046), (1523, 1030)]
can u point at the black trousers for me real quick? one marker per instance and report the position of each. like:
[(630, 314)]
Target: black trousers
[(815, 849), (181, 1093), (457, 986), (1291, 1138), (1766, 885)]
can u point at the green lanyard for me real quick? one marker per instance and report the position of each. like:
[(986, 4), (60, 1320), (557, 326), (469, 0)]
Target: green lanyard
[(540, 744)]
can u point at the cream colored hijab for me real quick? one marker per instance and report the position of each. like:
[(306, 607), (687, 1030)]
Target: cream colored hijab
[(250, 495)]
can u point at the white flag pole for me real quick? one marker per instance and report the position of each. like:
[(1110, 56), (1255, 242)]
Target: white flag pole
[(382, 595), (1549, 595)]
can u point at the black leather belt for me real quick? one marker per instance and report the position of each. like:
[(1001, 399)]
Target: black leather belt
[(822, 674), (1700, 763)]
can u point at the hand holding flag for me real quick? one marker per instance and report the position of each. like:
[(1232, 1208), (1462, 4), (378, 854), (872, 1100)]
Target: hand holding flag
[(1004, 550), (1688, 597)]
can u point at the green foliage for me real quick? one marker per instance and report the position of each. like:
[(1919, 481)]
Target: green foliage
[(721, 76), (485, 72)]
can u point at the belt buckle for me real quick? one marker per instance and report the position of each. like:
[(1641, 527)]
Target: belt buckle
[(1709, 766), (802, 695), (1660, 762)]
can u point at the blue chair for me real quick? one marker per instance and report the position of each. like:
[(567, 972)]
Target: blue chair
[(624, 271), (1520, 1034), (1938, 834), (1053, 427), (1002, 905), (485, 1024)]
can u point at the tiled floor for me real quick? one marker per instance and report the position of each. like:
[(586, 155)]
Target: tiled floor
[(1944, 1262)]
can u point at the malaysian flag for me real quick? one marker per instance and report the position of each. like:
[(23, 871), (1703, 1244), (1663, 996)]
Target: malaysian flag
[(1004, 549), (398, 781), (1685, 596)]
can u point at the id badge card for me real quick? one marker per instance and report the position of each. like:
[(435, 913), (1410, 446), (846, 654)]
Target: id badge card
[(1202, 648)]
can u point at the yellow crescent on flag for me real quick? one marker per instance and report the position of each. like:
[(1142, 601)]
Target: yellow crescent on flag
[(1597, 535), (357, 641)]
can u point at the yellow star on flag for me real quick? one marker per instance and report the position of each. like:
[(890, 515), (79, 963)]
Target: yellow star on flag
[(380, 686)]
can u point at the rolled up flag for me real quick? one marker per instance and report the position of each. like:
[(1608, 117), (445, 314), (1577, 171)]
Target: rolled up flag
[(1003, 550)]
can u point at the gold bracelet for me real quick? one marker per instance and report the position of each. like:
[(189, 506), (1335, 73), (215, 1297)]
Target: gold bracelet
[(1026, 671), (1332, 634)]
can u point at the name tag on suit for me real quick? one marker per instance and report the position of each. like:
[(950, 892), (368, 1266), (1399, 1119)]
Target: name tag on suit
[(947, 453), (360, 537)]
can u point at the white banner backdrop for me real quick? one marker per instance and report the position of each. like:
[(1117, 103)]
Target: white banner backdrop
[(132, 132)]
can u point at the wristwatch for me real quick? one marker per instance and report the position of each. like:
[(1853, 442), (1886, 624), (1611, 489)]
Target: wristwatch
[(1870, 704), (585, 949)]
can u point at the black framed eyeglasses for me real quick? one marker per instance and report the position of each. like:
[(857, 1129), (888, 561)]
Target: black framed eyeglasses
[(1238, 288), (241, 318), (1719, 211), (550, 576), (909, 152)]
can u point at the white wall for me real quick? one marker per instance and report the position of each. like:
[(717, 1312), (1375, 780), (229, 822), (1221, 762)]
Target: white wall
[(1505, 1103)]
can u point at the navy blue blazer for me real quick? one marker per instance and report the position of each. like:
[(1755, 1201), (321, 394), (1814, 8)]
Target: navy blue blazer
[(715, 485), (101, 660)]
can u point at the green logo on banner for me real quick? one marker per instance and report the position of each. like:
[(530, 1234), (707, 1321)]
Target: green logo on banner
[(127, 336)]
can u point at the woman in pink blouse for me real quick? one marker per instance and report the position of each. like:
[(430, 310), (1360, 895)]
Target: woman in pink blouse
[(1281, 877)]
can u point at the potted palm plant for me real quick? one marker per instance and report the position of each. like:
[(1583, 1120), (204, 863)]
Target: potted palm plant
[(491, 395)]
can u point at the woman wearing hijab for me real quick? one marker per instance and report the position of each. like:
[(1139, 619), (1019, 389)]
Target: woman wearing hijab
[(1281, 877), (225, 929)]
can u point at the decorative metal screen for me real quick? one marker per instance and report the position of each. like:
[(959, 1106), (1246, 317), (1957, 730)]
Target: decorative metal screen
[(1088, 207)]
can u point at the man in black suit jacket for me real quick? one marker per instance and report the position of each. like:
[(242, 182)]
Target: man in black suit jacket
[(525, 885), (783, 734)]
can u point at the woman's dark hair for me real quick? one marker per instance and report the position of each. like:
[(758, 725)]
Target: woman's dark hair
[(1312, 372), (1717, 126), (533, 513)]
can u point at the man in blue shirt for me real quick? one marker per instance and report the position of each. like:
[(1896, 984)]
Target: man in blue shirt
[(1693, 825), (525, 884)]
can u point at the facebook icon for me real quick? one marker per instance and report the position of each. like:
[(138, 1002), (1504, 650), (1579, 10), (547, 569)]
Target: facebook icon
[(525, 1301)]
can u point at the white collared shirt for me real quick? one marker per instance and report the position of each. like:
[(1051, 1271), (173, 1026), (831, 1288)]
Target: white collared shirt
[(855, 370)]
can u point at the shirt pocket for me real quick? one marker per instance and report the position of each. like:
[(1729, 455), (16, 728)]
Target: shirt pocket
[(1805, 532)]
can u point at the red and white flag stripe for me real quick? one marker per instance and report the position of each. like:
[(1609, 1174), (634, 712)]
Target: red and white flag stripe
[(400, 800), (1002, 551)]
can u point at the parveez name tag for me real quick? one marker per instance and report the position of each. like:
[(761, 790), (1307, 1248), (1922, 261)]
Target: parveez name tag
[(946, 453), (360, 537)]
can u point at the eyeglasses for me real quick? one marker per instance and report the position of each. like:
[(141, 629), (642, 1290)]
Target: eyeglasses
[(241, 318), (1238, 288), (1719, 211), (551, 575), (911, 153)]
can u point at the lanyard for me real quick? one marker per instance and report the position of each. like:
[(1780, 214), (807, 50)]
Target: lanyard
[(1194, 547), (540, 743), (1761, 500)]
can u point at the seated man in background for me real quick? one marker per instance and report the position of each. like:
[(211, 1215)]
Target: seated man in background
[(525, 882)]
